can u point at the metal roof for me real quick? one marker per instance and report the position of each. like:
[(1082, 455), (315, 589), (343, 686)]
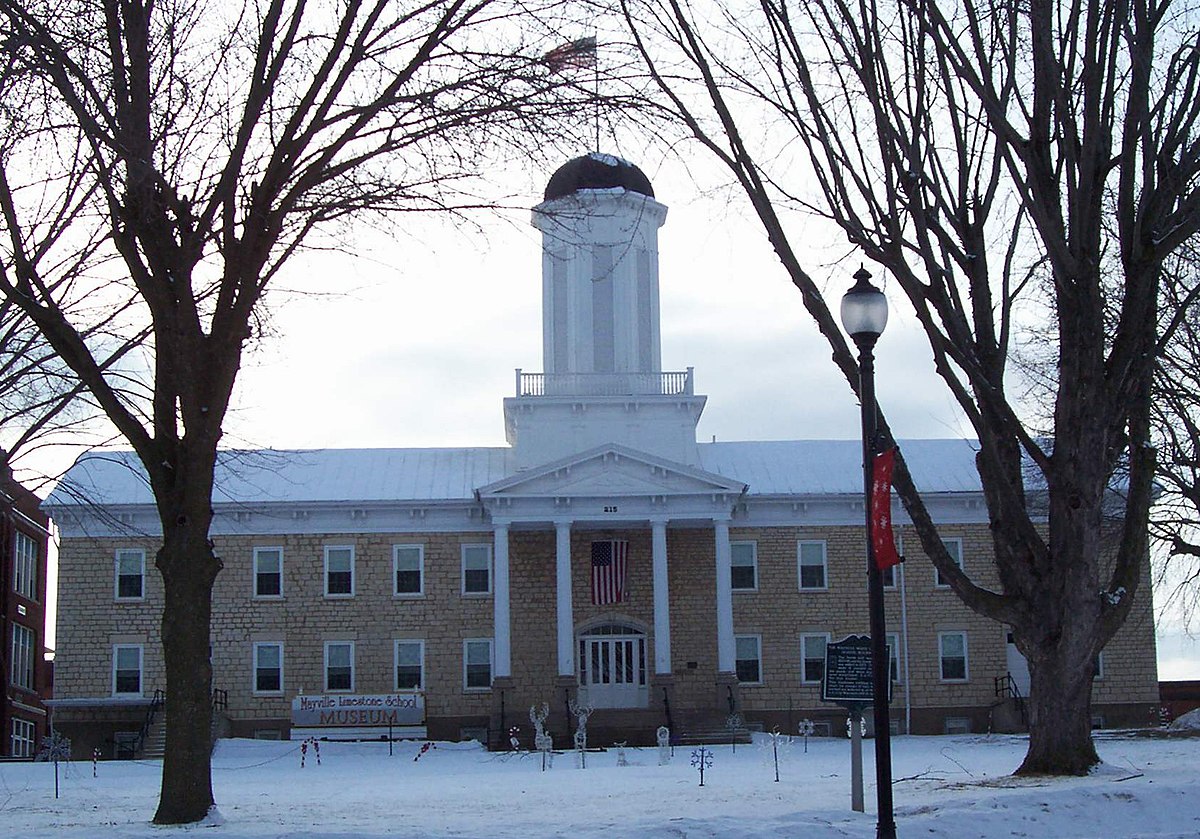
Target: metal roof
[(791, 467)]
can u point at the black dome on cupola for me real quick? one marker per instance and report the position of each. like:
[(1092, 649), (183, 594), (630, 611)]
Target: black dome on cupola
[(597, 171)]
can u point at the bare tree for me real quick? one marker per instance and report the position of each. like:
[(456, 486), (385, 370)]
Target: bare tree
[(971, 148), (175, 155)]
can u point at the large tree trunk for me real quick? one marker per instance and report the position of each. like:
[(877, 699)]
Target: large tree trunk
[(1060, 736), (189, 570)]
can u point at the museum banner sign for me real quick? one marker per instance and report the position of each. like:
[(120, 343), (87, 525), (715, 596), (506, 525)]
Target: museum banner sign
[(357, 710)]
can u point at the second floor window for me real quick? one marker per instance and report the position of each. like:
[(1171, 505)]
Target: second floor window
[(25, 556), (268, 572), (131, 575), (339, 571)]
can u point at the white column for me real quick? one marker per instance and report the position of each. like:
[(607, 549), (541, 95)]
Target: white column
[(726, 651), (566, 613), (662, 598), (501, 640)]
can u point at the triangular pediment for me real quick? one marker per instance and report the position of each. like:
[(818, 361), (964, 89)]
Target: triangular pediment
[(611, 471)]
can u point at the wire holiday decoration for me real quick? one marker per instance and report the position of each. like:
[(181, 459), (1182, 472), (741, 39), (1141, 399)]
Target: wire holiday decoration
[(735, 722), (316, 747), (542, 740), (581, 712), (663, 738), (806, 728), (702, 759)]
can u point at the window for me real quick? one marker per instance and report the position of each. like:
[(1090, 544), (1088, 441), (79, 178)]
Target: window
[(410, 665), (268, 667), (477, 663), (339, 571), (23, 732), (131, 575), (1098, 667), (268, 572), (893, 645), (339, 665), (812, 657), (748, 663), (22, 657), (744, 565), (477, 569), (25, 556), (127, 670), (889, 576), (954, 546), (811, 558), (408, 567), (952, 651)]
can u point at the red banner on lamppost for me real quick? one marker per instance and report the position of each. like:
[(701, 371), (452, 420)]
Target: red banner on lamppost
[(881, 510)]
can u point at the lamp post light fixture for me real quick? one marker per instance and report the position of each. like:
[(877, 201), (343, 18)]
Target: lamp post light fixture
[(864, 316)]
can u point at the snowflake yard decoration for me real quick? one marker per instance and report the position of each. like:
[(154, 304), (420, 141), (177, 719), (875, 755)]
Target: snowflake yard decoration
[(702, 759), (806, 728)]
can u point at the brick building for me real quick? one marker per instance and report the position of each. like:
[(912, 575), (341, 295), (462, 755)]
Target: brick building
[(603, 556), (23, 540)]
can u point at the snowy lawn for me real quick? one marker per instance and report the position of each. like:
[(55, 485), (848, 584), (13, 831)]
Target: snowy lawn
[(952, 787)]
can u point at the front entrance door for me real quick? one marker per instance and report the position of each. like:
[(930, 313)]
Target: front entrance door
[(612, 667)]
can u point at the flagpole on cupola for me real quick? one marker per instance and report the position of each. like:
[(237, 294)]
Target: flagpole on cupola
[(596, 76)]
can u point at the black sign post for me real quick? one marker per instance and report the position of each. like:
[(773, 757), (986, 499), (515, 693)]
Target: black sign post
[(848, 682)]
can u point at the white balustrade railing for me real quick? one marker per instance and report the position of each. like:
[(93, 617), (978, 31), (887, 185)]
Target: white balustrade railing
[(673, 383)]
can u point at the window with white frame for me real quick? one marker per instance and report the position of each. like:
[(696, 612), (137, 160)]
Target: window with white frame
[(339, 570), (477, 663), (25, 561), (130, 574), (408, 570), (743, 564), (812, 657), (1098, 667), (952, 654), (339, 665), (477, 569), (810, 557), (410, 665), (268, 667), (268, 572), (893, 645), (748, 659), (23, 734), (22, 657), (889, 576), (954, 548), (127, 669)]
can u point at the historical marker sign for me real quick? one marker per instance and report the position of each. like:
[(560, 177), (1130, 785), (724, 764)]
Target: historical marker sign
[(848, 678)]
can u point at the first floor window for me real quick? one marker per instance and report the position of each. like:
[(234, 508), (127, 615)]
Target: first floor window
[(812, 657), (131, 574), (743, 565), (410, 665), (268, 667), (477, 663), (25, 556), (339, 665), (408, 563), (22, 657), (749, 659), (268, 572), (477, 569), (810, 555), (952, 651), (339, 571), (23, 734), (954, 548), (893, 647), (127, 669)]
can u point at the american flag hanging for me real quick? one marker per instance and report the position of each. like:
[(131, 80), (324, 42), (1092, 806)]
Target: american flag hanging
[(608, 571)]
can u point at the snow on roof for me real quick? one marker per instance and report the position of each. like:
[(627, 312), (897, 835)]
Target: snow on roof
[(791, 467), (834, 467)]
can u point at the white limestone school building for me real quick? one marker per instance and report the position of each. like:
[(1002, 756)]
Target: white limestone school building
[(604, 556)]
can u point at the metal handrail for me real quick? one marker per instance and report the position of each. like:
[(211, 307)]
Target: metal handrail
[(663, 383)]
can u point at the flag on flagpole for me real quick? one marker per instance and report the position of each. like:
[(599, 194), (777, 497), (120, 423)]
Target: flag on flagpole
[(881, 510), (608, 571), (579, 53)]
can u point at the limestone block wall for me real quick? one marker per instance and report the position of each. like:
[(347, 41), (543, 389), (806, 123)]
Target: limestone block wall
[(303, 619)]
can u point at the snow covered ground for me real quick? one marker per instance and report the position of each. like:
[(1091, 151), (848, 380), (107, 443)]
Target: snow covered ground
[(951, 787)]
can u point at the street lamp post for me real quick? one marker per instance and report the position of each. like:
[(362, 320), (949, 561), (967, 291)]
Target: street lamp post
[(864, 315)]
